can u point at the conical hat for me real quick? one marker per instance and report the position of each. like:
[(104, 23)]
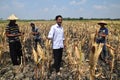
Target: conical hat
[(102, 22), (12, 17)]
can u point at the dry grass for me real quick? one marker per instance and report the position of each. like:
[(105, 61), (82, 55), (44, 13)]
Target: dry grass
[(80, 42)]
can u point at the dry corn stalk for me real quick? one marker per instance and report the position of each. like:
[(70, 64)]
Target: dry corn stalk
[(110, 47), (111, 51), (77, 53), (71, 28), (38, 65), (40, 52), (0, 54), (1, 51), (112, 62), (97, 54), (71, 59), (47, 44), (48, 51), (35, 56), (97, 48), (69, 55), (43, 59), (82, 56)]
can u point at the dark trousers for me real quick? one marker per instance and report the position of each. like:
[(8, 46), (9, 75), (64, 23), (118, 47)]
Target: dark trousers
[(15, 52), (104, 54), (57, 58), (36, 42)]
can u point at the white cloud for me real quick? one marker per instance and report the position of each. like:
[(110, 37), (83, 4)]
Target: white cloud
[(46, 9), (81, 9), (14, 6), (115, 6), (55, 8), (100, 7), (5, 7), (17, 4), (77, 2)]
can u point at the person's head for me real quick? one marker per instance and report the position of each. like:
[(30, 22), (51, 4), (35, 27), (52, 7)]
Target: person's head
[(12, 23), (102, 23), (32, 25), (12, 19), (58, 19)]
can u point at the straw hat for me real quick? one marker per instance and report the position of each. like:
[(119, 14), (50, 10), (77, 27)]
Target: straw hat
[(102, 22), (12, 17)]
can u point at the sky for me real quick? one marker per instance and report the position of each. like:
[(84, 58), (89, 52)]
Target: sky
[(48, 9)]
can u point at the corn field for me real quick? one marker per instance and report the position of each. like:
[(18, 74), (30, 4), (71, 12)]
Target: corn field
[(81, 57)]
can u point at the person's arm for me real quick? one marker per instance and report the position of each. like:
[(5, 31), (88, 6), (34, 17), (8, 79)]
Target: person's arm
[(7, 33), (64, 41), (35, 33), (19, 33), (51, 33), (13, 35), (103, 35)]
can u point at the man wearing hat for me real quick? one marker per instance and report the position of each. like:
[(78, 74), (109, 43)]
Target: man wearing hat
[(13, 33), (102, 34)]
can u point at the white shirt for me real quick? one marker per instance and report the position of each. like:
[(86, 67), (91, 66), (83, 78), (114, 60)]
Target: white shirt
[(57, 35)]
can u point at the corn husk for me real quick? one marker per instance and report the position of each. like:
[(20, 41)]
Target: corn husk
[(77, 53), (94, 59), (40, 52), (35, 56)]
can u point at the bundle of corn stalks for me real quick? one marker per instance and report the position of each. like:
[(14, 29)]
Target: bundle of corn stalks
[(96, 50), (3, 45), (40, 60), (94, 55), (75, 58)]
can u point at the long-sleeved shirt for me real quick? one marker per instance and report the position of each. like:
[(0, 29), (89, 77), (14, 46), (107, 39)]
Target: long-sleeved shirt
[(56, 33)]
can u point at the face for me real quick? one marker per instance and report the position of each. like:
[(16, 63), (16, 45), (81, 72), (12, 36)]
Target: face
[(13, 21), (102, 25), (32, 25), (59, 21)]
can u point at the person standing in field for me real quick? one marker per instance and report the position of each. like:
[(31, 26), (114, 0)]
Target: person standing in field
[(36, 35), (56, 34), (13, 33), (102, 35)]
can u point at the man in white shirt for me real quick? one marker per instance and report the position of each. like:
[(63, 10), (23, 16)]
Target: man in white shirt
[(56, 34)]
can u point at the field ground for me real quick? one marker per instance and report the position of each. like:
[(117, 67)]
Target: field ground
[(77, 62)]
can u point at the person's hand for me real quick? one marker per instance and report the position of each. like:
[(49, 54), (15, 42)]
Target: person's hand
[(64, 46), (13, 35), (100, 34), (20, 34)]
